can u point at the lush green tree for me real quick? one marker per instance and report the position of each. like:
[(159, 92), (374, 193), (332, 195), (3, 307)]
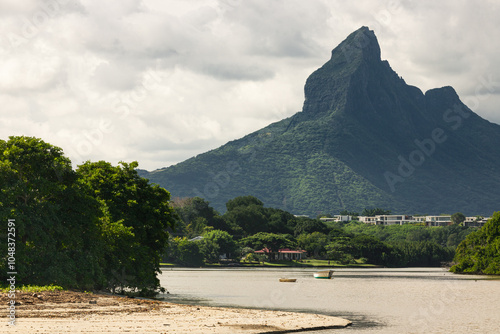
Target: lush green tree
[(245, 251), (370, 248), (480, 251), (337, 233), (194, 214), (243, 201), (250, 257), (216, 243), (419, 254), (308, 225), (458, 218), (185, 252), (247, 220), (140, 207), (341, 250), (57, 237), (272, 241), (280, 221), (314, 243)]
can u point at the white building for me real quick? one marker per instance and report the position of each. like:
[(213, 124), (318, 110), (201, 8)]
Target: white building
[(367, 219), (336, 218), (393, 219), (438, 220), (419, 219), (475, 221), (387, 219), (428, 220)]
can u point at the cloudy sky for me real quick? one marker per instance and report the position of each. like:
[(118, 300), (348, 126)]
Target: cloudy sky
[(159, 81)]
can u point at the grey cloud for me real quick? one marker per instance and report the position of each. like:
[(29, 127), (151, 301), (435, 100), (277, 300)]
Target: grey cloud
[(222, 68)]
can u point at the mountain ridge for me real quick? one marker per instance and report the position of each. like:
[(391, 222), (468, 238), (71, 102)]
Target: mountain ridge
[(364, 138)]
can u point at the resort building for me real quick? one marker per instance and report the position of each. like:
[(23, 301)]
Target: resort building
[(387, 219), (475, 221), (393, 219), (419, 219), (367, 219), (337, 218), (442, 220), (438, 220)]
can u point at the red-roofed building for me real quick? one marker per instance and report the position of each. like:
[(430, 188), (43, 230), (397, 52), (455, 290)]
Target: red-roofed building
[(284, 254)]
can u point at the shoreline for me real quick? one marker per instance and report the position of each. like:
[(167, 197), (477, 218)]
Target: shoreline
[(79, 312)]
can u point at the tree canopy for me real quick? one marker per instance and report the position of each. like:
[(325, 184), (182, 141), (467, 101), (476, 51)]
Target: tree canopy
[(100, 226), (138, 206), (458, 218), (56, 223), (479, 253)]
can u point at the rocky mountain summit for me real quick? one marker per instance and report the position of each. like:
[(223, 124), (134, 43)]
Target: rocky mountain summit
[(363, 139)]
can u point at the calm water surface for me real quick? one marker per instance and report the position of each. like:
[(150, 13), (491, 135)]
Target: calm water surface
[(416, 300)]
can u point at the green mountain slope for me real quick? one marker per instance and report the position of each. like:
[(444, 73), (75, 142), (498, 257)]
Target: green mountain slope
[(364, 138)]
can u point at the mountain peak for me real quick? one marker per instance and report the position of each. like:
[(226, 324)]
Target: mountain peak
[(329, 84), (364, 139), (361, 44)]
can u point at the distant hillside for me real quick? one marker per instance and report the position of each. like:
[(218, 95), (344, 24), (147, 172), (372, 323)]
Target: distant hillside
[(364, 138)]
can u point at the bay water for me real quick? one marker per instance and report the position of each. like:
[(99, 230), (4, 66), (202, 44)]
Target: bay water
[(408, 300)]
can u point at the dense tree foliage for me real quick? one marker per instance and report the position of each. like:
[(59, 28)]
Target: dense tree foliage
[(375, 212), (458, 218), (57, 235), (307, 225), (218, 243), (479, 253), (272, 241), (185, 252), (97, 227), (314, 243), (243, 201), (195, 215), (255, 226), (136, 205)]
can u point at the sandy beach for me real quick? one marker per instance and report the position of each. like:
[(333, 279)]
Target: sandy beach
[(76, 312)]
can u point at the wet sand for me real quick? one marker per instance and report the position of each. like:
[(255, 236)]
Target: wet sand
[(77, 312)]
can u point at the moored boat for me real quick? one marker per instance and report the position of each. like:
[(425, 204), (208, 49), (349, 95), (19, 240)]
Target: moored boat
[(288, 279), (325, 274)]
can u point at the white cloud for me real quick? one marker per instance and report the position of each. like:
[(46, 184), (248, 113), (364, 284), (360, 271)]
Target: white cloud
[(160, 81)]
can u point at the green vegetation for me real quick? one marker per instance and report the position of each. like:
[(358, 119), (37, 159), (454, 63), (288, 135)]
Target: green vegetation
[(34, 288), (458, 218), (479, 253), (352, 243), (99, 227)]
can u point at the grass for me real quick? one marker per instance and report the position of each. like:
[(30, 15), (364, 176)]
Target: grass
[(283, 263), (307, 263), (33, 288)]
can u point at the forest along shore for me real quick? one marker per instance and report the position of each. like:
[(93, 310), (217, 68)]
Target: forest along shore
[(69, 312)]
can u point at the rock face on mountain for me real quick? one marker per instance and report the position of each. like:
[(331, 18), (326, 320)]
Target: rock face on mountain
[(363, 139)]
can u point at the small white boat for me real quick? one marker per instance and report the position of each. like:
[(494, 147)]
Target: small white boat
[(325, 274)]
